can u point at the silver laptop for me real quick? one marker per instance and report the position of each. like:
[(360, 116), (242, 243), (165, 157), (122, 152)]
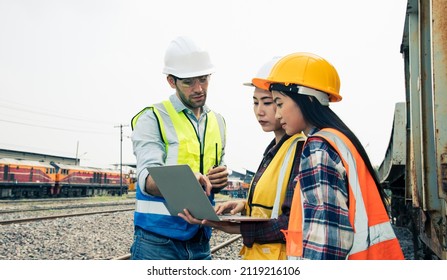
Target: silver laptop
[(181, 190)]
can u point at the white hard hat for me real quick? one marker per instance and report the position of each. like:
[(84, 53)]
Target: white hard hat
[(184, 59), (264, 71)]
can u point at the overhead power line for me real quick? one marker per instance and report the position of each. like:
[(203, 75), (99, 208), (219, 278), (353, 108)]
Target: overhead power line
[(58, 128), (21, 108)]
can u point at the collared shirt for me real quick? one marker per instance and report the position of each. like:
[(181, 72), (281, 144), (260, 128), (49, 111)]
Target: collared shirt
[(269, 232), (327, 232), (148, 146)]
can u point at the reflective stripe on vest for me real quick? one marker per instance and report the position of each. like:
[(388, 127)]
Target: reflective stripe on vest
[(153, 207), (374, 237), (284, 175), (184, 135), (187, 148), (283, 160), (362, 237), (263, 203)]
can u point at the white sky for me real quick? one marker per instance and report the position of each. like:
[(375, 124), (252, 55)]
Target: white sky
[(71, 71)]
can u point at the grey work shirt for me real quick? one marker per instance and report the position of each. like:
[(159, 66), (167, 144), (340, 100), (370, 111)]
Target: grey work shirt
[(148, 146)]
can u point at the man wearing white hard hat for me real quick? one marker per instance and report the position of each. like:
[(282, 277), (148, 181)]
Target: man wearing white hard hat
[(174, 132)]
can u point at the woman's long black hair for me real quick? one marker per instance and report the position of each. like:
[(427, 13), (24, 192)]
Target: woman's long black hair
[(323, 117)]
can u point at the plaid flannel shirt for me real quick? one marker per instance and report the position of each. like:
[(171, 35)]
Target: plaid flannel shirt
[(327, 233)]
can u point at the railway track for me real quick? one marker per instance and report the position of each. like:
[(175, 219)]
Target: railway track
[(35, 219), (63, 207), (29, 210), (21, 229), (214, 250)]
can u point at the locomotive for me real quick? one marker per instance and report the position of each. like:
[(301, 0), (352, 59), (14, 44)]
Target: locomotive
[(37, 179)]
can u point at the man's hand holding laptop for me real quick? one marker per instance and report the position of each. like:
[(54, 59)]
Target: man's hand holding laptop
[(228, 227)]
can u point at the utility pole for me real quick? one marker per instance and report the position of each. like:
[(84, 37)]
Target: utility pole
[(121, 153), (77, 148)]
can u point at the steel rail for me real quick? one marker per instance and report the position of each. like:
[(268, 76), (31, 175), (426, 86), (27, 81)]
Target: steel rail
[(24, 220), (63, 207)]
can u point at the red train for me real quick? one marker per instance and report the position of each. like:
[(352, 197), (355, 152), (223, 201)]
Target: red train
[(35, 179)]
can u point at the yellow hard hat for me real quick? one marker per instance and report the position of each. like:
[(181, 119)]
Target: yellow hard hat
[(305, 69)]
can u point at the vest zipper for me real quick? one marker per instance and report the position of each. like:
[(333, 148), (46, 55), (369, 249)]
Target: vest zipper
[(201, 147)]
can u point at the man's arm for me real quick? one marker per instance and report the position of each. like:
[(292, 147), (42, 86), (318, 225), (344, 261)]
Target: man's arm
[(148, 149), (151, 188)]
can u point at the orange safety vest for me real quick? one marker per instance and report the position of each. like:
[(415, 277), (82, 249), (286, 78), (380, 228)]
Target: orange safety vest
[(374, 238)]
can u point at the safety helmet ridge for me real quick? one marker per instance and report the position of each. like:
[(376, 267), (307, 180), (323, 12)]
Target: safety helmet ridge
[(304, 69), (264, 71), (184, 59)]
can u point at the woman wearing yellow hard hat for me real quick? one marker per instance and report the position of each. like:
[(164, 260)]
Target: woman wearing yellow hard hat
[(338, 209)]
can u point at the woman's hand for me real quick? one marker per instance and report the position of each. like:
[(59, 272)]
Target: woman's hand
[(232, 207)]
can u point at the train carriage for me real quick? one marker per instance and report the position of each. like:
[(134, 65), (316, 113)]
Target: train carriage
[(415, 166), (74, 180), (24, 178), (35, 179)]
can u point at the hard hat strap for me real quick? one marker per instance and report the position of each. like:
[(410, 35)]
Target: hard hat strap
[(322, 97)]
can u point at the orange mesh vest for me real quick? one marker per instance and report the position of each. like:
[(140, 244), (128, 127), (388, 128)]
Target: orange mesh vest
[(374, 238)]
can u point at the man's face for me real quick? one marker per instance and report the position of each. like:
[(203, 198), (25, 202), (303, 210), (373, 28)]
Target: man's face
[(191, 91)]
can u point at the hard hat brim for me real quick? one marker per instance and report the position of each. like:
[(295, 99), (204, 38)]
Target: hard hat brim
[(183, 75), (261, 83), (265, 84)]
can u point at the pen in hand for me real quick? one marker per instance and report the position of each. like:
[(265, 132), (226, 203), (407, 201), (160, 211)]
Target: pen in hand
[(216, 162)]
